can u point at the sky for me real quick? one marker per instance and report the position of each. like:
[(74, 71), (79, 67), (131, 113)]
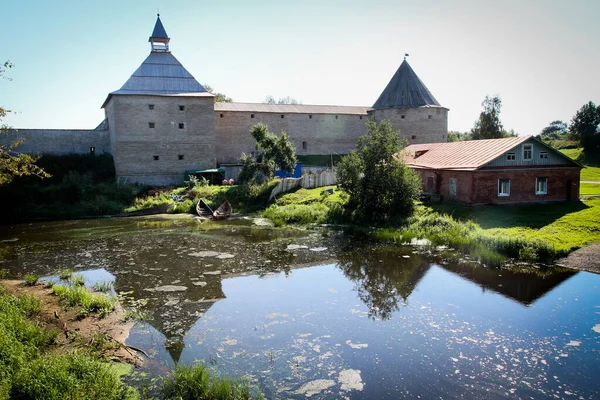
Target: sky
[(541, 57)]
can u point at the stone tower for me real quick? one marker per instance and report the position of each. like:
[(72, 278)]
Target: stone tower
[(411, 107), (161, 121)]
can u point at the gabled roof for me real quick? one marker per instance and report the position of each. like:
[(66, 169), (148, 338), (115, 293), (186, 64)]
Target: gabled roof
[(161, 74), (159, 31), (291, 108), (405, 90), (465, 156)]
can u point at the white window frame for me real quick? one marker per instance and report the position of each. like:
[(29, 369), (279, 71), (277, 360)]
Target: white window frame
[(543, 154), (500, 188), (537, 183), (512, 156), (530, 152)]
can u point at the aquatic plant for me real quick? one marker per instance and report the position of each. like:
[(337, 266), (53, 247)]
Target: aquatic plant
[(77, 280), (65, 274), (103, 286), (79, 296), (31, 279), (197, 382)]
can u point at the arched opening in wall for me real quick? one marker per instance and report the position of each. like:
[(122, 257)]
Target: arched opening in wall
[(92, 150), (402, 116), (304, 145)]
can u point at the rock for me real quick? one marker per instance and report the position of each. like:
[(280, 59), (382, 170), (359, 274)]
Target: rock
[(200, 283), (168, 288)]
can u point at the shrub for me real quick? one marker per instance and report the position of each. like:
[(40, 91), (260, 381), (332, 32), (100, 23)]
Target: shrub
[(31, 279)]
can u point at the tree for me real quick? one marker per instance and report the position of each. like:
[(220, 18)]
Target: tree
[(585, 126), (272, 153), (220, 97), (269, 99), (12, 163), (380, 185), (456, 136), (557, 127), (488, 126)]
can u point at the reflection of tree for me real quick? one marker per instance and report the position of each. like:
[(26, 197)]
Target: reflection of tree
[(383, 277)]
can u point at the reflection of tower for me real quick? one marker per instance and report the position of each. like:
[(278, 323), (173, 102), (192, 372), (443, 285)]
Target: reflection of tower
[(525, 285)]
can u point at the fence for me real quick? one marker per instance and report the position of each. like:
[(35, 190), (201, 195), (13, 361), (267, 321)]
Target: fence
[(308, 181)]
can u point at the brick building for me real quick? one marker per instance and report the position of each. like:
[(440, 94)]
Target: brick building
[(498, 171)]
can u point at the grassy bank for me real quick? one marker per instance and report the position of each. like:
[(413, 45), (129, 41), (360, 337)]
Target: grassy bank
[(38, 360), (492, 234), (591, 172)]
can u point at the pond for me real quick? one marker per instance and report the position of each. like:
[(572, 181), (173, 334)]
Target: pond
[(310, 313)]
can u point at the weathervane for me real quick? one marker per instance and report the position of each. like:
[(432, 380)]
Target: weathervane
[(157, 12), (405, 55)]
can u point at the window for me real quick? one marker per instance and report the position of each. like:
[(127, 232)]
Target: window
[(543, 154), (251, 115), (92, 150), (181, 108), (180, 156), (221, 115), (151, 125), (413, 137), (150, 106), (310, 117), (402, 116), (360, 117), (282, 115), (541, 185), (155, 158), (429, 117), (181, 125), (527, 152), (452, 187), (511, 156), (336, 117), (304, 145), (503, 187)]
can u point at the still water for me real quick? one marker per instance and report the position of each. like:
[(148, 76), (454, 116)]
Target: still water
[(305, 313)]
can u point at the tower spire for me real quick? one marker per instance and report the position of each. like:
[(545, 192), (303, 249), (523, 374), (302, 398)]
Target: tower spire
[(159, 41)]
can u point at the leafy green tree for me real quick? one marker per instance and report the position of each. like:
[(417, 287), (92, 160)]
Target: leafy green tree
[(456, 136), (12, 163), (272, 153), (488, 126), (382, 189), (220, 97), (555, 128), (585, 126), (282, 100)]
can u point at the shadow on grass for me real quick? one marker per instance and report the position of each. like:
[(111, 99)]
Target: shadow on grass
[(533, 216)]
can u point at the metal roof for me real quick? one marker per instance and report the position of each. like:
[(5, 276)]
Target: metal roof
[(161, 74), (291, 108), (159, 30), (467, 156), (405, 90)]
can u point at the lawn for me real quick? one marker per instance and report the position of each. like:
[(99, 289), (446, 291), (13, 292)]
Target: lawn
[(565, 226), (589, 188), (591, 172)]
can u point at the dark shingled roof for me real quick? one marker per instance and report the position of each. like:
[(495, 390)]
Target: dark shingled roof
[(405, 90), (159, 30)]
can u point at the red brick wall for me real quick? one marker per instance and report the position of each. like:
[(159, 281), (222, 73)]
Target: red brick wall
[(563, 184), (481, 187)]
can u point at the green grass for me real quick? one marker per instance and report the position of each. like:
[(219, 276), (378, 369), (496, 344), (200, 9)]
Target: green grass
[(562, 226), (196, 382), (65, 274), (88, 302), (28, 368), (77, 280), (31, 279), (591, 172), (104, 286), (307, 206), (589, 188)]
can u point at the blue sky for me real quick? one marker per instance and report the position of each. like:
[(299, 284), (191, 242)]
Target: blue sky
[(542, 57)]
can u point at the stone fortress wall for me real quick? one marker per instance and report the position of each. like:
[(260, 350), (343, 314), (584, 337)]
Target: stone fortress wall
[(58, 141)]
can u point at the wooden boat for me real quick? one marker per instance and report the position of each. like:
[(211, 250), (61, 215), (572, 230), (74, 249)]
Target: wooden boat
[(203, 209), (223, 212)]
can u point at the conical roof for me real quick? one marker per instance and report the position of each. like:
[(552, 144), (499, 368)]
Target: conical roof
[(159, 31), (405, 90)]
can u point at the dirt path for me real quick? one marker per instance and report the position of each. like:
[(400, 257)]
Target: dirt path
[(80, 333), (586, 259)]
